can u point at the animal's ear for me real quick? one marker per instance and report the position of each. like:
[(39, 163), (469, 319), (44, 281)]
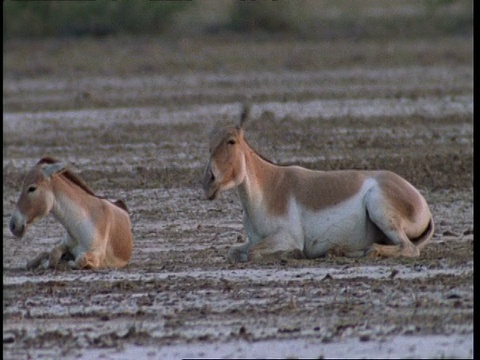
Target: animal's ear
[(55, 168), (244, 115)]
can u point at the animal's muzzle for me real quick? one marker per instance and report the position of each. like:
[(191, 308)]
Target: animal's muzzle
[(17, 225), (209, 183)]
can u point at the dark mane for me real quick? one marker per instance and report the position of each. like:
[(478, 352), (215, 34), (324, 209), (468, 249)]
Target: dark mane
[(68, 174), (120, 204), (220, 132), (47, 160), (258, 154)]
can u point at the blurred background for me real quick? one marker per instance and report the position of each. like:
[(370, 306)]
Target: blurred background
[(319, 19), (127, 91)]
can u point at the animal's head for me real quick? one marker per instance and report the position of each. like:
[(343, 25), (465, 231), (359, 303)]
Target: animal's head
[(226, 166), (36, 197)]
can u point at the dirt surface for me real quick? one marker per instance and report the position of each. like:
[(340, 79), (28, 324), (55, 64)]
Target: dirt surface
[(136, 128)]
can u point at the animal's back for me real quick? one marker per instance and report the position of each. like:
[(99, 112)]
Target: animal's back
[(119, 250)]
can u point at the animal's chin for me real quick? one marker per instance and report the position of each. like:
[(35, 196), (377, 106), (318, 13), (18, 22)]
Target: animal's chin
[(212, 194), (19, 233), (211, 190)]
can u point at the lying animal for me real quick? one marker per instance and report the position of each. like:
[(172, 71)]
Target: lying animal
[(293, 211), (98, 231)]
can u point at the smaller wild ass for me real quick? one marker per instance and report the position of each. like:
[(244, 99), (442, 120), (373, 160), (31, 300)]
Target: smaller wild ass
[(295, 212), (98, 231)]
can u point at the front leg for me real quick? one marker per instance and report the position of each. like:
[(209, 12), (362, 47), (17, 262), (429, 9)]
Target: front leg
[(56, 254), (240, 253), (40, 259), (48, 260), (278, 245)]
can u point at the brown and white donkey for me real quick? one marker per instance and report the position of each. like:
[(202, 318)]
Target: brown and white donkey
[(98, 231), (293, 211)]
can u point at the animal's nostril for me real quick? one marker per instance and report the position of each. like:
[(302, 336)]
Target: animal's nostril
[(212, 177)]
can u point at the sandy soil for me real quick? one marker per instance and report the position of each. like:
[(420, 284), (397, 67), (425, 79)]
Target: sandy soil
[(140, 134)]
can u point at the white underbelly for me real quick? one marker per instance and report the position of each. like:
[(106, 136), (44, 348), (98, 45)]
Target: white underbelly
[(343, 227)]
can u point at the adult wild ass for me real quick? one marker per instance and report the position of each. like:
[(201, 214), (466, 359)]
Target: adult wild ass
[(295, 212), (98, 231)]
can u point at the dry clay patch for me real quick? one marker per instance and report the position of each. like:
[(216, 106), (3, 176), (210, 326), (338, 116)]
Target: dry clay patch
[(118, 93), (350, 139), (218, 306), (179, 289), (158, 284)]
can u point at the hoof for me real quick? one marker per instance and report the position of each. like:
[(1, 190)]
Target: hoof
[(236, 256)]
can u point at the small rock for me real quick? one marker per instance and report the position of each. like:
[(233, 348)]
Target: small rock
[(327, 277), (105, 317), (449, 233), (364, 337), (453, 296), (124, 333), (293, 303), (8, 338), (393, 273)]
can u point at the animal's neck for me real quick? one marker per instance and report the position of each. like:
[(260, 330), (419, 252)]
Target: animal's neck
[(71, 206), (259, 172)]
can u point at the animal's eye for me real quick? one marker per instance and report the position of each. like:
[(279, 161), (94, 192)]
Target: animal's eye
[(231, 142), (32, 189)]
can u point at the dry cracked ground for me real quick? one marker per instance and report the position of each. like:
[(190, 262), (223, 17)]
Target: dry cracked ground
[(132, 117)]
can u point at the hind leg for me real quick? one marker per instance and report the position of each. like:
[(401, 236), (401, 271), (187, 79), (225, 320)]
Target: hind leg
[(392, 224), (393, 251)]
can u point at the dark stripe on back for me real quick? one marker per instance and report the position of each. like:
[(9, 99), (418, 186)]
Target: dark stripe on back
[(71, 176)]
